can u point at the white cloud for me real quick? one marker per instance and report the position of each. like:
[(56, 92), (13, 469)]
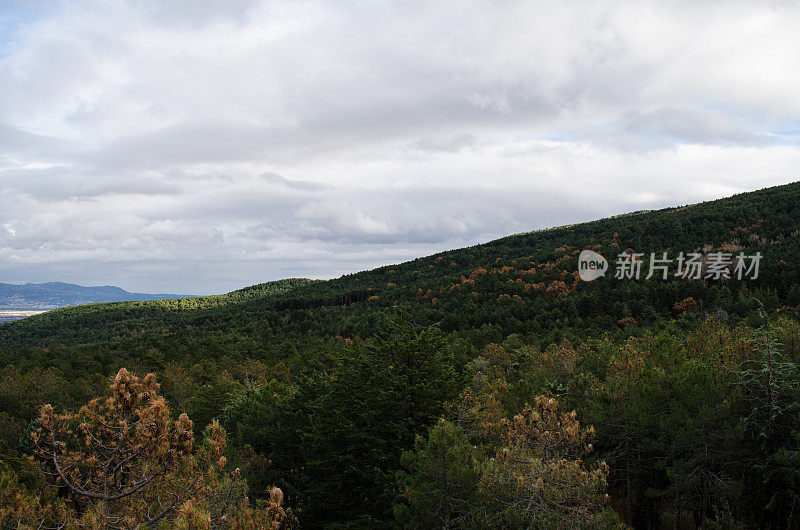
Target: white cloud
[(199, 147)]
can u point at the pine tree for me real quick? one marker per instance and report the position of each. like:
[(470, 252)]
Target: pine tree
[(771, 419), (121, 461)]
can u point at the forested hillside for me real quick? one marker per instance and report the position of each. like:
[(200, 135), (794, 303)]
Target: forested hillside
[(481, 387)]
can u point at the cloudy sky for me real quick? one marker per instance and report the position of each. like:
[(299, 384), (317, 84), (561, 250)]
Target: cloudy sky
[(197, 146)]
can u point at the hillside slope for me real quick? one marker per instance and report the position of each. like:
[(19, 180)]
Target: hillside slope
[(488, 291)]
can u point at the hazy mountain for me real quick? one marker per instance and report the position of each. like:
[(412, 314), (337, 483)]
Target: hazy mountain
[(52, 295)]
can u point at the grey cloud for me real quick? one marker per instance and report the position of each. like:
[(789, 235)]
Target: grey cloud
[(197, 13), (226, 205), (643, 131), (66, 182), (421, 216), (306, 185), (452, 144), (188, 143), (691, 126), (327, 132), (26, 145)]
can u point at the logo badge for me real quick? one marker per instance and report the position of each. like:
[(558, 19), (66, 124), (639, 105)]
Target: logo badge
[(591, 265)]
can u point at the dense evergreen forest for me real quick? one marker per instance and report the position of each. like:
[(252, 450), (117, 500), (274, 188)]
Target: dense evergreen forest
[(482, 387)]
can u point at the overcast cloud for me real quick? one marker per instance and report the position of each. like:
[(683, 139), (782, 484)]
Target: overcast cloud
[(200, 146)]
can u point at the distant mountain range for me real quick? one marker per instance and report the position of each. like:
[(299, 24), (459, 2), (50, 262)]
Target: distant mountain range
[(45, 296)]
